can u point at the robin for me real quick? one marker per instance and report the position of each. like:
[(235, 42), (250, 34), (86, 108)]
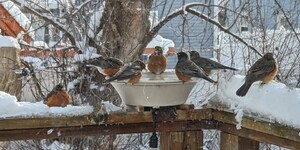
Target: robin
[(207, 64), (264, 69), (157, 61), (131, 71), (185, 69), (58, 97), (107, 66)]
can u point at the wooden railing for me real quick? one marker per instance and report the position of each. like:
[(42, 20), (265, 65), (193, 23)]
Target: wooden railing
[(179, 129)]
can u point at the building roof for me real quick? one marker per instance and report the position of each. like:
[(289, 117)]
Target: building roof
[(14, 22)]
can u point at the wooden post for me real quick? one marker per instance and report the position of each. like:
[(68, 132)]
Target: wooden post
[(233, 142), (189, 140), (9, 63)]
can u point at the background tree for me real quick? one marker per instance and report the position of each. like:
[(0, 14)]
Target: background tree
[(239, 31)]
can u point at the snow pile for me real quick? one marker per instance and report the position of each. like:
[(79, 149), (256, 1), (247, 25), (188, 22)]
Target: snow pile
[(90, 53), (162, 42), (110, 107), (11, 108), (7, 41), (273, 101), (40, 44)]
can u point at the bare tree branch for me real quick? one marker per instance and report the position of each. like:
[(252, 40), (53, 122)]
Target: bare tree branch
[(288, 20), (201, 15), (51, 21)]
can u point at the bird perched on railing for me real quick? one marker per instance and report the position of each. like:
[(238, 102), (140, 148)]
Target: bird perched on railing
[(107, 66), (264, 69), (207, 64), (157, 61), (185, 69), (131, 71), (58, 97)]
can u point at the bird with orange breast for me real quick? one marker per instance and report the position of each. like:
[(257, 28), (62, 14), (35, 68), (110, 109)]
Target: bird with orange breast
[(107, 66), (131, 71), (185, 69), (207, 64), (157, 61), (58, 97), (264, 69)]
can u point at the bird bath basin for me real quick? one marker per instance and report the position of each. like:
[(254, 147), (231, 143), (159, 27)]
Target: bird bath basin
[(154, 90)]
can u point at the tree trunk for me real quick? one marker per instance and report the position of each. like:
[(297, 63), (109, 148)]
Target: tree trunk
[(126, 28)]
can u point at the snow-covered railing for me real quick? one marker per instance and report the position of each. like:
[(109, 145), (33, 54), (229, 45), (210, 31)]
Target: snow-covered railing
[(187, 122)]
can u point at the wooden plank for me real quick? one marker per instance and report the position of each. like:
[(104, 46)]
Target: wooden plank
[(112, 118), (193, 140), (164, 140), (247, 144), (234, 142), (139, 122), (257, 136), (136, 117), (186, 106), (26, 123), (228, 141), (190, 140), (260, 126), (96, 130)]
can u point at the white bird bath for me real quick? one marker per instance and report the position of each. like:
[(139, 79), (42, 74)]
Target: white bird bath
[(154, 90)]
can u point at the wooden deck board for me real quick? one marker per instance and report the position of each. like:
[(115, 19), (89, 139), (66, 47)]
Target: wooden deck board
[(141, 122)]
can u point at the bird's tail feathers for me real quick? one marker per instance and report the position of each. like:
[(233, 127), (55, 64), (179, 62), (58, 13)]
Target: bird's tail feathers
[(209, 79), (242, 91), (231, 68)]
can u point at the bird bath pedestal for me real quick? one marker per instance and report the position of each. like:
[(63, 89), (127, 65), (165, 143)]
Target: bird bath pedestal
[(154, 90)]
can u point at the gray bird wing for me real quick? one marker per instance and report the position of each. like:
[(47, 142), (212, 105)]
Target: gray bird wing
[(125, 72)]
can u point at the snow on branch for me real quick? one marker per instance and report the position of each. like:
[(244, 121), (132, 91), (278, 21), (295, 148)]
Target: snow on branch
[(48, 19), (287, 19), (40, 7), (175, 13), (80, 7), (187, 8)]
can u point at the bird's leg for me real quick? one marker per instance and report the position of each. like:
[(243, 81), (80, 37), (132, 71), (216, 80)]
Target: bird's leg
[(262, 84)]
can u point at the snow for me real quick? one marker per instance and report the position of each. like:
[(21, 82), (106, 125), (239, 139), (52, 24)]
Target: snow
[(58, 145), (11, 108), (7, 41), (95, 22), (162, 42), (90, 53), (273, 101), (41, 44)]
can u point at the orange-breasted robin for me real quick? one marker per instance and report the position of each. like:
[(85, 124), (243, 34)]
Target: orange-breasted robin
[(58, 97), (207, 64), (185, 69), (157, 61), (131, 71), (264, 69), (107, 66)]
